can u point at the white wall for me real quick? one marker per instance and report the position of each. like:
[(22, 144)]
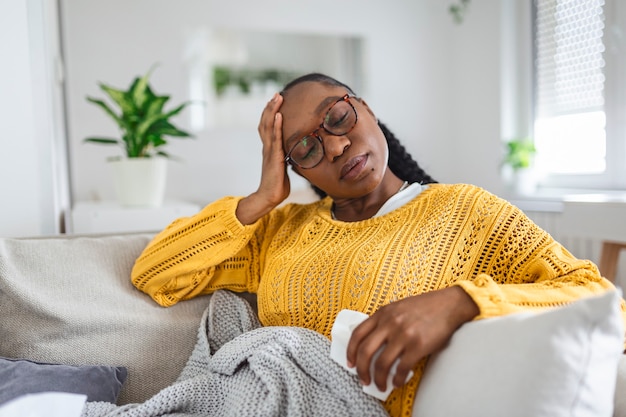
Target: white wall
[(19, 171), (33, 187), (476, 142)]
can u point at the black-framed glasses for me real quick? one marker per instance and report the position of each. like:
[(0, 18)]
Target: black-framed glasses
[(340, 119)]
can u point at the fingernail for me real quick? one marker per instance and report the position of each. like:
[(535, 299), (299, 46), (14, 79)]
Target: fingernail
[(274, 97)]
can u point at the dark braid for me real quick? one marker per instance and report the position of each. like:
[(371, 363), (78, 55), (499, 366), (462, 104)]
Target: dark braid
[(400, 161)]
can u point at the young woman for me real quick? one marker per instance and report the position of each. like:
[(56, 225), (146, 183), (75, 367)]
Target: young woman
[(420, 258)]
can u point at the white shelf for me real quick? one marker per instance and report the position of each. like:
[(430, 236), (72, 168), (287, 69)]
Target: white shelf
[(556, 199), (596, 214), (110, 217)]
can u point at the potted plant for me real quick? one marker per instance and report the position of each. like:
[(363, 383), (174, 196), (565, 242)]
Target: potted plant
[(144, 126), (519, 158)]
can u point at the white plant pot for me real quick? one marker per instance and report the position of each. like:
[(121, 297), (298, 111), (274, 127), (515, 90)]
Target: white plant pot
[(140, 182), (520, 182), (524, 181)]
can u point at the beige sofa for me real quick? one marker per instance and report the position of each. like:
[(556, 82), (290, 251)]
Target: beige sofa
[(68, 300)]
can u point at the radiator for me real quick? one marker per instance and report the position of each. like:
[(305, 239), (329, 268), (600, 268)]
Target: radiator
[(580, 246)]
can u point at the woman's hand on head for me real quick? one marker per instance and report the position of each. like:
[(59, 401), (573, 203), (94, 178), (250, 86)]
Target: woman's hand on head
[(274, 187), (408, 330)]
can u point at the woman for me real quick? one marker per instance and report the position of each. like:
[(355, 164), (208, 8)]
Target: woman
[(420, 258)]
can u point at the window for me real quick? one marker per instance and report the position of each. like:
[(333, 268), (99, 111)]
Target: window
[(578, 125)]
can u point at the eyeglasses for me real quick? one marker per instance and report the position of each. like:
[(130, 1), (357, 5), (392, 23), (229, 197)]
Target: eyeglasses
[(340, 119)]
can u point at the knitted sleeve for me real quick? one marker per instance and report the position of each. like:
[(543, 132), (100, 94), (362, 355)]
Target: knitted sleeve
[(200, 254), (523, 267)]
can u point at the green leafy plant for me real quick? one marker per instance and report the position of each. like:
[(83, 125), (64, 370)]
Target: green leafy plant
[(141, 118), (519, 153), (458, 10)]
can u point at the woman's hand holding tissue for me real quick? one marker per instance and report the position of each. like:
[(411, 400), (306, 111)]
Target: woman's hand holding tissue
[(407, 330)]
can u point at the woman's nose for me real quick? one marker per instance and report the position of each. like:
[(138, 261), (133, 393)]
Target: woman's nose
[(335, 146)]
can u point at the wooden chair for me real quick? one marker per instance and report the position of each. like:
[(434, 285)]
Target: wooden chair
[(609, 258)]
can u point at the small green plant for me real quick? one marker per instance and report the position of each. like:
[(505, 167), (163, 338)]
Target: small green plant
[(244, 78), (458, 10), (141, 118), (519, 153), (222, 77)]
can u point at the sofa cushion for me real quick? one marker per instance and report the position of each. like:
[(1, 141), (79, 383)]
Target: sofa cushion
[(99, 383), (69, 300), (562, 362)]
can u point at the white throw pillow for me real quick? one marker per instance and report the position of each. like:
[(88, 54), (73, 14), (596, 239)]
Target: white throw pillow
[(561, 362)]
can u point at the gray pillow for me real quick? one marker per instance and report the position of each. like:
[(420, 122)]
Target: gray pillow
[(98, 383)]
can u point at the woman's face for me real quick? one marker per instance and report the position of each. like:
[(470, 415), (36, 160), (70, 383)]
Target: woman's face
[(353, 164)]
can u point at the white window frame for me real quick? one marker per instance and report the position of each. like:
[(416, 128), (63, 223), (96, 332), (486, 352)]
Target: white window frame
[(518, 120)]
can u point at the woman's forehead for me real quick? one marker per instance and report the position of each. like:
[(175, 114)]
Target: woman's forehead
[(305, 104)]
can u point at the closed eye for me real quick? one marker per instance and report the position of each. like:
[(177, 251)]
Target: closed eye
[(337, 120)]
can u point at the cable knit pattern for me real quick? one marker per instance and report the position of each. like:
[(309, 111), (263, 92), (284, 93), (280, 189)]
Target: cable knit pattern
[(241, 369), (306, 267)]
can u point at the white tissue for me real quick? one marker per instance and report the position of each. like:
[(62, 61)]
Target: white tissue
[(345, 323)]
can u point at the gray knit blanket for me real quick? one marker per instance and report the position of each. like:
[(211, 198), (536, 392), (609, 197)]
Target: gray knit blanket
[(239, 368)]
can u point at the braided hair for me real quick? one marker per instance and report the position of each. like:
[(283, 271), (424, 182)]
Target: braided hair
[(400, 162)]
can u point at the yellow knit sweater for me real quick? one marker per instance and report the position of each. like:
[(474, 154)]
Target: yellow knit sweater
[(306, 267)]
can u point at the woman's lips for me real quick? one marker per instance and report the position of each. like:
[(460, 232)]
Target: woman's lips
[(353, 167)]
